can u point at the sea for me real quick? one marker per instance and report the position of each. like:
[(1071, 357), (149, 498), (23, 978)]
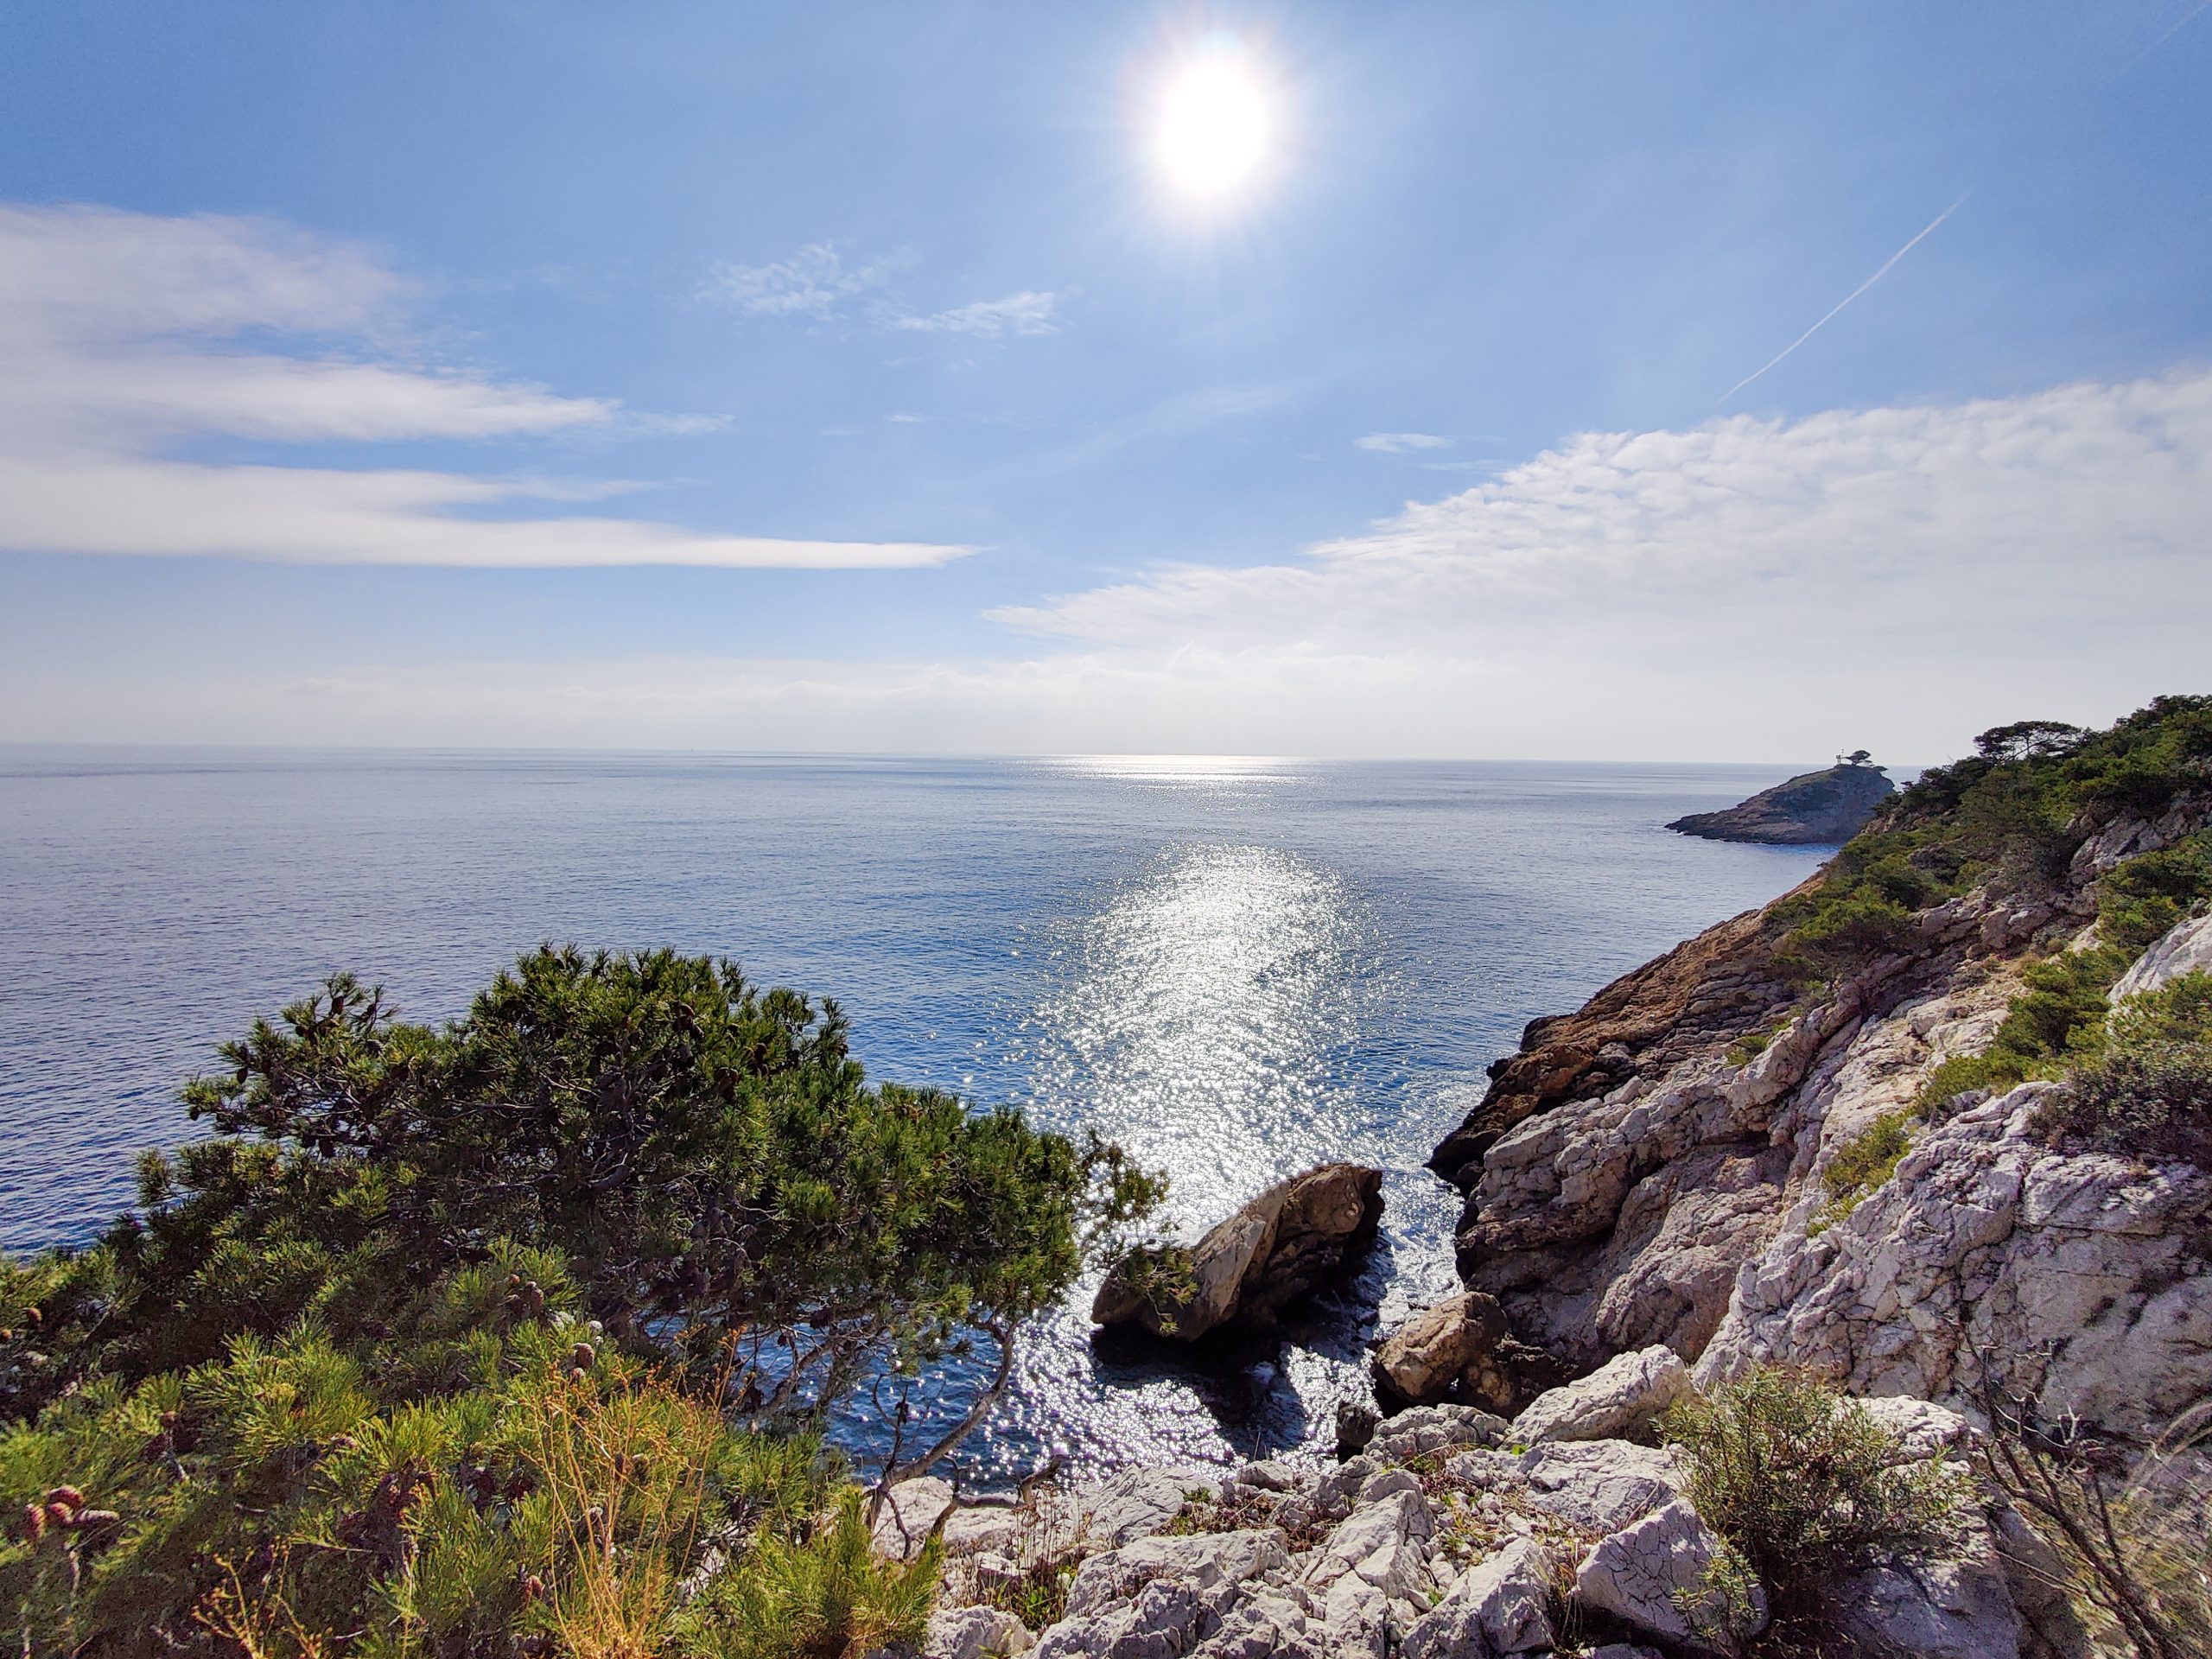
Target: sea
[(1237, 967)]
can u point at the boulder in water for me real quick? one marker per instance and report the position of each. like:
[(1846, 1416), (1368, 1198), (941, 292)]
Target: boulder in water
[(1278, 1248)]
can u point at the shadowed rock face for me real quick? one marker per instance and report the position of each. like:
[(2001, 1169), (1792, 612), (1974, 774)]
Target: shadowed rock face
[(1278, 1248), (1817, 809)]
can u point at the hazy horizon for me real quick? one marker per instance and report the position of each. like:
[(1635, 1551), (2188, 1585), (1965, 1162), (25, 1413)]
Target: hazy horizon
[(1625, 384)]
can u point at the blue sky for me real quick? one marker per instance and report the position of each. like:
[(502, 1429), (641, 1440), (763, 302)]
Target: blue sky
[(1421, 445)]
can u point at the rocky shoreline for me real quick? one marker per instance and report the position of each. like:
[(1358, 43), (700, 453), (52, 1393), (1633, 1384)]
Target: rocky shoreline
[(1651, 1170), (1655, 1208)]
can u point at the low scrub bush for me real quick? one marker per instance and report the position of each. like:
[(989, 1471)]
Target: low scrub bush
[(2148, 895), (2134, 1537), (1862, 1165), (2148, 1086), (827, 1596), (2055, 1022), (1806, 1485)]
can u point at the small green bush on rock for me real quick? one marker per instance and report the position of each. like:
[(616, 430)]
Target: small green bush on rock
[(1807, 1485), (1862, 1165), (2148, 1089)]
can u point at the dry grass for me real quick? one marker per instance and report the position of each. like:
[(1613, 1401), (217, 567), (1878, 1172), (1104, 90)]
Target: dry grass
[(2135, 1546), (624, 1476)]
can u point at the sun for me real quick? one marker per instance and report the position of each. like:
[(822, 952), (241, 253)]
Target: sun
[(1214, 128)]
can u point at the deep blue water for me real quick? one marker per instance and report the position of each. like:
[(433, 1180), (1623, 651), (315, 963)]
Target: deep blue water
[(1238, 967)]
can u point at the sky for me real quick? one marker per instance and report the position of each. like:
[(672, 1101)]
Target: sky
[(1633, 381)]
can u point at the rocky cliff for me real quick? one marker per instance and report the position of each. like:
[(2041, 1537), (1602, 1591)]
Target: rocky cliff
[(1815, 809), (1690, 1159)]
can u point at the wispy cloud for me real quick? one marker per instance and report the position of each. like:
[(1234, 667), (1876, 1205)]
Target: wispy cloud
[(1888, 265), (816, 282), (1399, 443), (136, 346), (1025, 313)]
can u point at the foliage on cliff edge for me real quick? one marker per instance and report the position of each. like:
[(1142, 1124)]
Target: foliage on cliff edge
[(2011, 816)]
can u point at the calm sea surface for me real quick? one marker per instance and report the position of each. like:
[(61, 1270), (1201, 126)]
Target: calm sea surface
[(1238, 967)]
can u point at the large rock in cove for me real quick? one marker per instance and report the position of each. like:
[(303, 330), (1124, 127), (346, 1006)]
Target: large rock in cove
[(1814, 808), (1278, 1248)]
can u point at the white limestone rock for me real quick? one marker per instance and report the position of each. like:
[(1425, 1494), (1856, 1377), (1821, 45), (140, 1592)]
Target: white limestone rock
[(2186, 948), (1922, 1427), (1988, 1241), (1494, 1610), (1602, 1485), (1622, 1398), (975, 1633), (909, 1512), (1947, 1608), (1161, 1598), (1652, 1576), (1134, 1505), (1276, 1475), (1432, 1428), (969, 1531)]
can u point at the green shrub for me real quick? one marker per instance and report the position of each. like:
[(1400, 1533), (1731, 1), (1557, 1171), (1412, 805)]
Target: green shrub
[(275, 1499), (493, 1339), (827, 1596), (1807, 1485), (2146, 895), (1863, 1164), (728, 1193), (1963, 1073), (2057, 1018), (2148, 1088), (1752, 1044)]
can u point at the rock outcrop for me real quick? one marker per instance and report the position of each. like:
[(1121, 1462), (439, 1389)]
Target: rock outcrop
[(1460, 1351), (1622, 1398), (1651, 1170), (1280, 1247), (1814, 808), (2084, 1274)]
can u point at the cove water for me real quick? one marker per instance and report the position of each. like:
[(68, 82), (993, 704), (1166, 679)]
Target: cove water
[(1238, 967)]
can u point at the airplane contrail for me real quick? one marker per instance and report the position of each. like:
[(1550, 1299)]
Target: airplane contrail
[(1887, 264)]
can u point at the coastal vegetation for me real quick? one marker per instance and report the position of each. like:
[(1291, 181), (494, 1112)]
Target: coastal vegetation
[(519, 1335), (2138, 1078), (2009, 815)]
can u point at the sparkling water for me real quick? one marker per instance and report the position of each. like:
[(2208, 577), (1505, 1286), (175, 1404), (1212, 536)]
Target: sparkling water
[(1238, 967)]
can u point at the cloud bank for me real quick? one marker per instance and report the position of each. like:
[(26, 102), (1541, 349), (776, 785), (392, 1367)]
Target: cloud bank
[(2069, 519), (132, 341)]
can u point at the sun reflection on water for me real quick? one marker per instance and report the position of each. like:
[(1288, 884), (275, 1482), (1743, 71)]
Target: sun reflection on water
[(1206, 1022), (1208, 1016)]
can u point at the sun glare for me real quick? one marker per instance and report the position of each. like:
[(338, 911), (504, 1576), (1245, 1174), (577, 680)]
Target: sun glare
[(1215, 126)]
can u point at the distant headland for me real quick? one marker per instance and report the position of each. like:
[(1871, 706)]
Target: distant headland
[(1815, 809)]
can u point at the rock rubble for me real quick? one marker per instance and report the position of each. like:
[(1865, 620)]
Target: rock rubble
[(1455, 1536)]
